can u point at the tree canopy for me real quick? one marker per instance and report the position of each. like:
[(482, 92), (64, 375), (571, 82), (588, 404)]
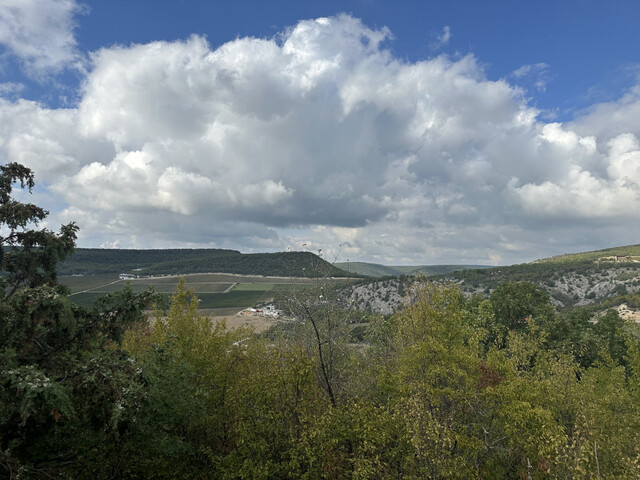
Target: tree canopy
[(67, 391), (449, 387)]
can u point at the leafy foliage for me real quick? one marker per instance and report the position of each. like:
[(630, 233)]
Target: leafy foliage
[(432, 397), (447, 388), (68, 395), (28, 257)]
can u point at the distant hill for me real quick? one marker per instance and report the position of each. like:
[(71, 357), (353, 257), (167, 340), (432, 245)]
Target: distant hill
[(377, 270), (596, 280), (601, 277), (182, 261), (630, 253), (367, 269)]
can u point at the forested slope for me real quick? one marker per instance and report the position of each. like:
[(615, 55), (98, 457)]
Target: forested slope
[(183, 261)]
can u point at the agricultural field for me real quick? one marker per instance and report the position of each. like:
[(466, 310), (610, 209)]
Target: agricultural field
[(219, 293)]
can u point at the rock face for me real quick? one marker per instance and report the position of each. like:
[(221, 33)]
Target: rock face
[(570, 289), (383, 297), (628, 313), (586, 289)]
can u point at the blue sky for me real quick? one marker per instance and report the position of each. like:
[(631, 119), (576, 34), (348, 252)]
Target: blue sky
[(395, 132), (589, 48)]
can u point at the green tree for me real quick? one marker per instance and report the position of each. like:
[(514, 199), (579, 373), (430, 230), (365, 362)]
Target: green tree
[(68, 394), (572, 332), (28, 257), (195, 362), (514, 303), (612, 332), (433, 385)]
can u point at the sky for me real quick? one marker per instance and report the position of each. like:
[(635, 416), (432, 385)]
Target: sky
[(402, 133)]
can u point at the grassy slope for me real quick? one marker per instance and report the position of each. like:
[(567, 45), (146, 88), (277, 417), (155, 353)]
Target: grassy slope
[(545, 271), (570, 258)]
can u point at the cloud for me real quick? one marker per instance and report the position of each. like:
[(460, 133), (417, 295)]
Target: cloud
[(609, 119), (10, 89), (609, 194), (535, 75), (40, 33), (321, 136), (441, 39)]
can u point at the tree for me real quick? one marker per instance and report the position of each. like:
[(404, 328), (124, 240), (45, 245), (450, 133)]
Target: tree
[(195, 362), (613, 335), (516, 302), (323, 328), (68, 394), (28, 257), (432, 381)]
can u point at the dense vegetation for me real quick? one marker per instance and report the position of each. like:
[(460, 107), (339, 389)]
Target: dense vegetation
[(64, 380), (182, 261), (497, 388)]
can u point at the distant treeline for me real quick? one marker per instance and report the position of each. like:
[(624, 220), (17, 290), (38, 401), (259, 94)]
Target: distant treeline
[(182, 261)]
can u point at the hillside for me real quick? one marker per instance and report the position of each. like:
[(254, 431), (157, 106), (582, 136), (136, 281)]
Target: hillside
[(632, 252), (367, 269), (377, 270), (597, 280), (580, 279), (183, 261)]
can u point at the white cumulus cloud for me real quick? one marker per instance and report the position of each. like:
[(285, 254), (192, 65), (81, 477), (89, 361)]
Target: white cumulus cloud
[(321, 136), (40, 33)]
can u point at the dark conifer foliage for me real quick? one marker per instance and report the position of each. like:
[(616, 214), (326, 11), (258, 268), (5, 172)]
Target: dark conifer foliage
[(67, 391)]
